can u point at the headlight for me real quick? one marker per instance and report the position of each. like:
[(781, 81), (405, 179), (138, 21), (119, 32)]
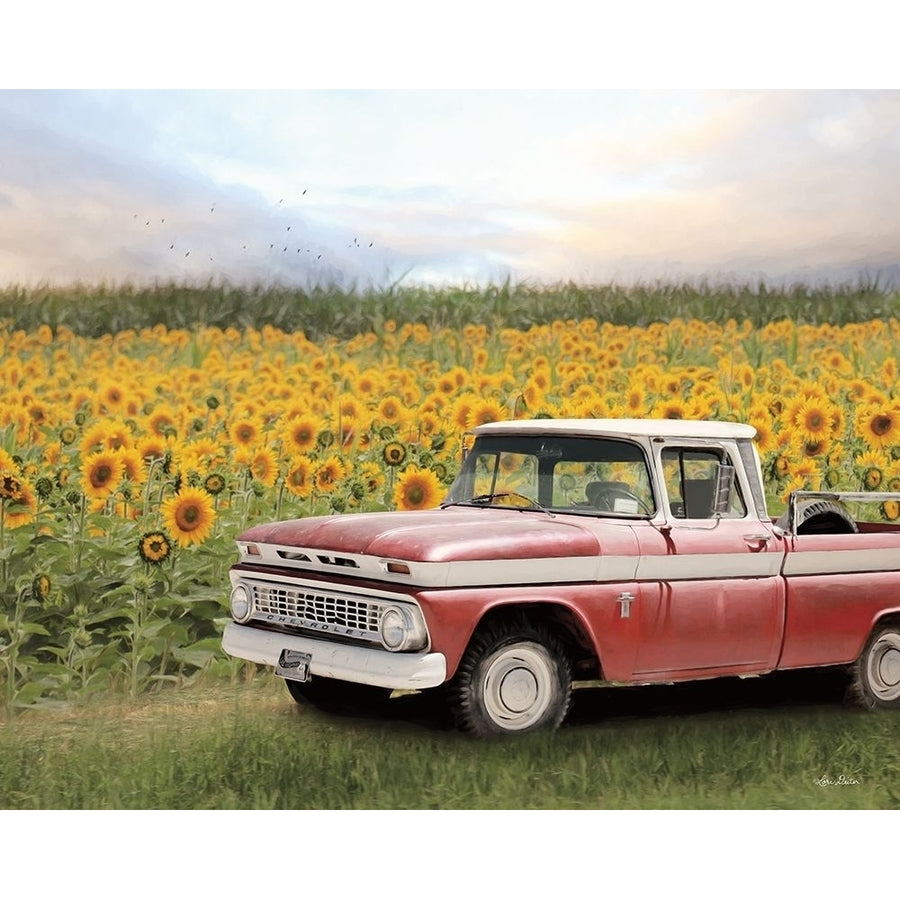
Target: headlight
[(400, 629), (241, 605)]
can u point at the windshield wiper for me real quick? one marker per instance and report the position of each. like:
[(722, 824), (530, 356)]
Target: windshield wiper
[(487, 499)]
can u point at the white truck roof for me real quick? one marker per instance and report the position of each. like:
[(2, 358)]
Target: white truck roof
[(642, 428)]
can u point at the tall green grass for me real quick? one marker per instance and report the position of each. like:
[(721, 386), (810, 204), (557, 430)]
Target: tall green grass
[(248, 746), (340, 312)]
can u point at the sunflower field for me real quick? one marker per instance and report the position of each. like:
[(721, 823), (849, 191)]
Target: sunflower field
[(130, 460)]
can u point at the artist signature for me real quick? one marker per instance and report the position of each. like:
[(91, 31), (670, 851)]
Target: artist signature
[(827, 781)]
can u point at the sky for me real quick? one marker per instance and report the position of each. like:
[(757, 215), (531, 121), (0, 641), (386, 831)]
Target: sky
[(383, 169)]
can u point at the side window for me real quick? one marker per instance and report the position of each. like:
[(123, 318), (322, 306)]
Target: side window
[(690, 476)]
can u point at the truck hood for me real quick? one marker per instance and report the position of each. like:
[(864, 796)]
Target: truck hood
[(454, 534)]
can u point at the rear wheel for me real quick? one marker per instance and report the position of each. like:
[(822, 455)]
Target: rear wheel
[(334, 696), (876, 674), (513, 678)]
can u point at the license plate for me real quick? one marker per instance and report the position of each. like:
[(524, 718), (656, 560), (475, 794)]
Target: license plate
[(293, 664)]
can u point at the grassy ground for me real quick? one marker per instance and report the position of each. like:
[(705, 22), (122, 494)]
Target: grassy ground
[(783, 742)]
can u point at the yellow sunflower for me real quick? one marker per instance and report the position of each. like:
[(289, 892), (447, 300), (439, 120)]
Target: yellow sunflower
[(329, 474), (189, 515), (163, 421), (264, 466), (154, 447), (299, 479), (765, 437), (154, 547), (102, 473), (18, 499), (878, 424), (118, 436), (635, 400), (133, 467), (299, 436), (394, 453), (462, 410), (391, 410), (372, 476), (484, 411), (349, 408), (93, 439), (417, 489), (244, 432), (111, 396), (670, 409)]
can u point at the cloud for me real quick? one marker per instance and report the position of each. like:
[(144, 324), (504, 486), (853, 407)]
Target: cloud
[(447, 186)]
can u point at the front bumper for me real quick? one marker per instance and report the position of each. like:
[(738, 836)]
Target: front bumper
[(364, 665)]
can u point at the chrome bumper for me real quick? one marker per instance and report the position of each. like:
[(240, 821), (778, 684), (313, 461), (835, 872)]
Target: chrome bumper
[(364, 665)]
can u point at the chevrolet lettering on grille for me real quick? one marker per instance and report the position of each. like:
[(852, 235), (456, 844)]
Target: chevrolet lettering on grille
[(314, 611)]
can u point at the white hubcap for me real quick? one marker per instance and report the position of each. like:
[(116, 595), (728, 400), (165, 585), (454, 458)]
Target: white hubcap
[(884, 667), (518, 686), (518, 690)]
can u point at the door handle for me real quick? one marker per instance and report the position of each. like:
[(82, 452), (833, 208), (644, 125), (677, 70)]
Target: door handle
[(757, 541)]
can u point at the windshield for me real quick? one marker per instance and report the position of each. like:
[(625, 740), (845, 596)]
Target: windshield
[(571, 474)]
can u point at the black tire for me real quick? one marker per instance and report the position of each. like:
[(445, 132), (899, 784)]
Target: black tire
[(340, 697), (876, 674), (514, 678)]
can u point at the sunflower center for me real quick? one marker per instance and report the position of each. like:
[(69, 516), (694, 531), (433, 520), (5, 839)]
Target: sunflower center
[(881, 425), (101, 475), (188, 517)]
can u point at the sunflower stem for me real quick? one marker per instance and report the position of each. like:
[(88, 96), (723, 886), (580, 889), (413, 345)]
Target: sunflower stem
[(3, 563)]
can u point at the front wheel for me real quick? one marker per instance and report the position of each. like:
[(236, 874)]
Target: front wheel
[(876, 675), (512, 679), (334, 696)]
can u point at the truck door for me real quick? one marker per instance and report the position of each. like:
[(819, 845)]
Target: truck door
[(711, 598)]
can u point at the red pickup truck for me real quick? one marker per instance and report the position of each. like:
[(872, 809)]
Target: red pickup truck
[(619, 551)]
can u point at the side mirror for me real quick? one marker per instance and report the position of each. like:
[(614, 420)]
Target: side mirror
[(722, 491)]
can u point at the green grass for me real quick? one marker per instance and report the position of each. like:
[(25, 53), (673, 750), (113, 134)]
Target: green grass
[(216, 745), (342, 313)]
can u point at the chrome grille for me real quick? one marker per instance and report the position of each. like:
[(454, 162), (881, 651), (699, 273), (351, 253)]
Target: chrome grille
[(317, 610)]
